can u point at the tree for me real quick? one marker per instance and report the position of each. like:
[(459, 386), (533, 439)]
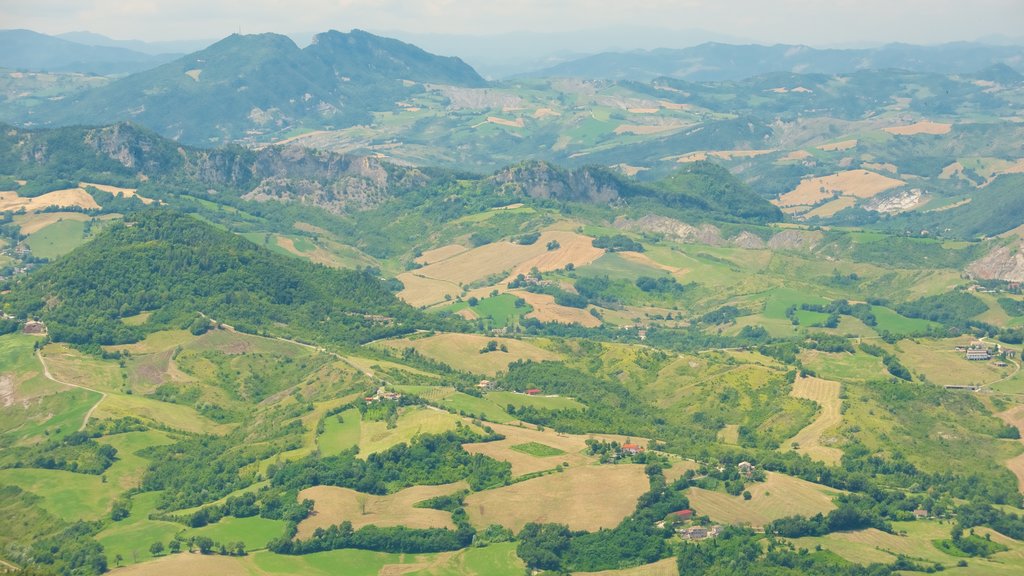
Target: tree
[(156, 548), (205, 544), (174, 546)]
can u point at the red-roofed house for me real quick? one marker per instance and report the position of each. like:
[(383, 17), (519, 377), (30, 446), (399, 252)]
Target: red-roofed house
[(683, 514), (533, 391), (632, 448)]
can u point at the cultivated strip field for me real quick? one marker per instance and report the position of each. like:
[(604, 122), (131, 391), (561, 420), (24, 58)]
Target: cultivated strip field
[(777, 497), (334, 505), (826, 394)]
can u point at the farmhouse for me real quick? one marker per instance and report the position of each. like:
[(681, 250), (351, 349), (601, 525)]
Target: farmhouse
[(632, 448), (745, 468), (975, 354), (383, 394), (33, 327), (694, 533), (485, 385), (533, 391), (920, 514)]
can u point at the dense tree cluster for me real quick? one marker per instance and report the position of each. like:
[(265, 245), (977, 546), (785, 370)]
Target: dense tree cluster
[(175, 266)]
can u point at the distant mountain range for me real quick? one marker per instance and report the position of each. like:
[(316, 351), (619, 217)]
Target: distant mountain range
[(714, 61), (146, 47), (27, 50), (264, 83)]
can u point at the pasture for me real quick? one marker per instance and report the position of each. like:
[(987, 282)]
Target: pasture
[(915, 540), (566, 497), (255, 532), (942, 365), (376, 437), (459, 402), (57, 239), (130, 538), (462, 351), (777, 497), (339, 436)]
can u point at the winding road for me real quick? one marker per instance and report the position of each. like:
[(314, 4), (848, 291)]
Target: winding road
[(46, 372)]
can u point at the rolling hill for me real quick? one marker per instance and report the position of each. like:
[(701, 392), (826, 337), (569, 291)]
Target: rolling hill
[(716, 61)]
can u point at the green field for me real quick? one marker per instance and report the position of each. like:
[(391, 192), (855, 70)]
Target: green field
[(459, 402), (339, 436), (891, 321), (500, 311), (131, 538), (57, 239), (255, 532), (537, 449)]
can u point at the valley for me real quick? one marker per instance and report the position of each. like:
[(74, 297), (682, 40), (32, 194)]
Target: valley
[(375, 314)]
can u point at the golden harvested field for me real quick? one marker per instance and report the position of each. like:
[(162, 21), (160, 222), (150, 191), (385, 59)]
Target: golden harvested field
[(859, 183), (1015, 417), (777, 497), (442, 253), (71, 197), (826, 394), (721, 155), (797, 155), (517, 123), (584, 498), (125, 192), (333, 505), (573, 249), (32, 223), (545, 112), (649, 128), (445, 276), (922, 127), (462, 351), (645, 260), (666, 567), (572, 444), (420, 291), (837, 146), (831, 208), (545, 310), (481, 262), (186, 563)]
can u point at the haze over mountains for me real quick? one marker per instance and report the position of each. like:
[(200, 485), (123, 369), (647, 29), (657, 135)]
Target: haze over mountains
[(349, 307)]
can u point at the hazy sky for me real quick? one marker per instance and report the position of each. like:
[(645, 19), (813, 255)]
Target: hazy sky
[(815, 22)]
